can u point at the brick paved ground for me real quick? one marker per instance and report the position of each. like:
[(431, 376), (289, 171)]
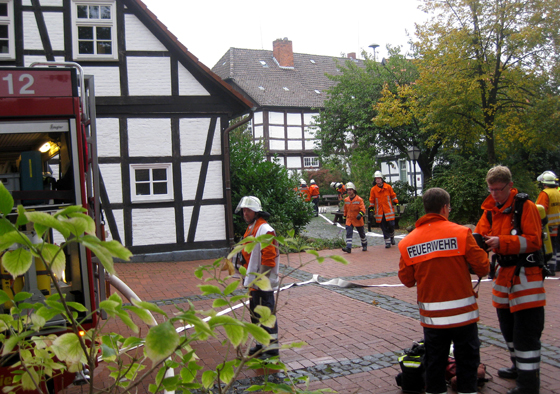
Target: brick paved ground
[(353, 335)]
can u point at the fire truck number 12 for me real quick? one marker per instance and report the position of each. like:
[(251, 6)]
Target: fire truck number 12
[(25, 88)]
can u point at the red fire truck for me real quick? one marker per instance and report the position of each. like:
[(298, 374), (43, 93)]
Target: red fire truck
[(48, 160)]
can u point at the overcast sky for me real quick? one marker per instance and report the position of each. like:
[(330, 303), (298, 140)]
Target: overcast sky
[(209, 28)]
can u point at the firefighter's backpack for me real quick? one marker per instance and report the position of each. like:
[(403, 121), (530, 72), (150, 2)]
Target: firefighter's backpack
[(412, 377)]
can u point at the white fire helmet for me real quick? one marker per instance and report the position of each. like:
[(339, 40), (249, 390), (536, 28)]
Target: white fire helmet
[(333, 185), (350, 185), (312, 182), (302, 182), (540, 178), (378, 174), (251, 202), (549, 179)]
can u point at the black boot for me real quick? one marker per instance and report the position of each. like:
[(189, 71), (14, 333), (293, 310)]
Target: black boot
[(255, 349), (508, 373), (392, 240), (528, 382), (364, 248), (347, 249)]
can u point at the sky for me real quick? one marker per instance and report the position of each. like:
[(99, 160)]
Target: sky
[(330, 28)]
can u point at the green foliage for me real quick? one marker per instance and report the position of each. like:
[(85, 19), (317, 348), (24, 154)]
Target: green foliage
[(252, 175), (24, 329), (404, 191)]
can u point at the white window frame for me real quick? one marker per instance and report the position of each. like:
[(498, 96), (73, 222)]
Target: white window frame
[(9, 21), (403, 170), (310, 162), (112, 23), (151, 197)]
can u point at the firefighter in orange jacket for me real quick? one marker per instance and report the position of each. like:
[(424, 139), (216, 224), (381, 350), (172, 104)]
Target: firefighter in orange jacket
[(304, 190), (264, 261), (314, 192), (381, 199), (437, 257), (354, 211), (549, 198), (518, 289)]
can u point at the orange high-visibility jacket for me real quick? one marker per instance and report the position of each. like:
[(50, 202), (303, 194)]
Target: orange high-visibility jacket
[(549, 198), (314, 190), (509, 291), (436, 257), (341, 192), (351, 210), (380, 198), (305, 193), (267, 257)]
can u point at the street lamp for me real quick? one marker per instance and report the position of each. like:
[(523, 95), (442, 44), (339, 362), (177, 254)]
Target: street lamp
[(374, 47), (414, 154)]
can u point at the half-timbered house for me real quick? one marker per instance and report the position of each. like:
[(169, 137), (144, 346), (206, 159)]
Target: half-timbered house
[(162, 117)]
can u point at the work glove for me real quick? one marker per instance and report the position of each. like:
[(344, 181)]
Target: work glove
[(371, 208)]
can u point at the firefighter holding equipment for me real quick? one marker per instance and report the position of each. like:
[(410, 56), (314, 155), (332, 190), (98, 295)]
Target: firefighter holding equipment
[(549, 198), (354, 212), (314, 191), (437, 257), (381, 199), (511, 227), (263, 261)]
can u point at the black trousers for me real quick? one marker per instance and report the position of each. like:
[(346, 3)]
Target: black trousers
[(466, 347), (522, 332), (264, 298), (388, 228), (350, 234)]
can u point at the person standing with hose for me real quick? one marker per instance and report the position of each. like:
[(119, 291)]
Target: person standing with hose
[(354, 212), (381, 199)]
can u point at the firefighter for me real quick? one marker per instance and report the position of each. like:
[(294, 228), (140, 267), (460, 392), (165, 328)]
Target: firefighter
[(263, 261), (518, 289), (549, 198), (381, 199), (304, 190), (354, 211), (314, 191), (446, 299)]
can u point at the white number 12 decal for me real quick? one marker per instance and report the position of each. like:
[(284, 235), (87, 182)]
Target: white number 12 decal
[(25, 88)]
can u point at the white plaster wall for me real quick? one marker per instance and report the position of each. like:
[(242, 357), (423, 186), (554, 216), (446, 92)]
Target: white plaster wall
[(189, 85), (113, 181), (108, 140), (279, 160), (293, 162), (187, 216), (214, 186), (190, 173), (56, 3), (149, 76), (295, 145), (259, 132), (153, 226), (27, 2), (193, 134), (149, 137), (294, 132), (277, 144), (138, 37), (276, 117), (55, 28), (276, 131), (294, 119), (309, 132), (308, 118), (258, 117), (31, 37), (119, 219), (217, 142), (211, 230), (311, 144), (28, 60), (106, 80)]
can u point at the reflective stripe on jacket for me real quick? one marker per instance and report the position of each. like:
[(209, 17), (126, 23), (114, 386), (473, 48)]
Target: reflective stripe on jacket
[(382, 198), (509, 291), (268, 257), (549, 198), (351, 210), (436, 257), (314, 190)]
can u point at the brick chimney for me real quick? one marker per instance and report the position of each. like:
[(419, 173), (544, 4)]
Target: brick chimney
[(283, 52), (351, 55)]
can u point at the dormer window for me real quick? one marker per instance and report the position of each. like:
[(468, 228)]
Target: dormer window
[(94, 30)]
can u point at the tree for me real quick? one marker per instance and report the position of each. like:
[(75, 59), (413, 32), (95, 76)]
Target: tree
[(253, 175), (489, 72), (347, 133)]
